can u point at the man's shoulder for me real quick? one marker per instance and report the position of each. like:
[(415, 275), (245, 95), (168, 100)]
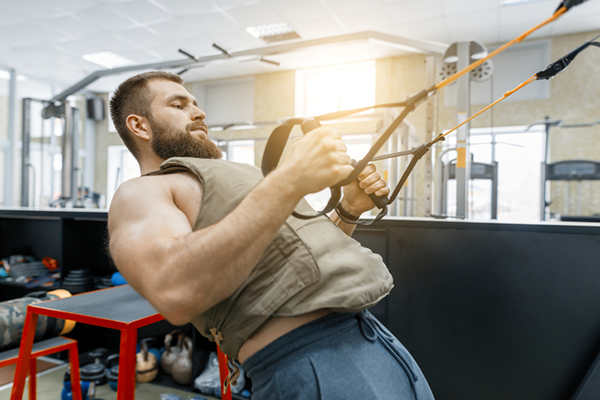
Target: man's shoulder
[(137, 190)]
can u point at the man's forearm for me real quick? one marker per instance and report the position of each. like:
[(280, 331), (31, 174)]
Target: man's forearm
[(348, 229), (211, 263)]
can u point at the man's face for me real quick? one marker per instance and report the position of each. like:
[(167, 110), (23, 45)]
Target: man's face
[(178, 127)]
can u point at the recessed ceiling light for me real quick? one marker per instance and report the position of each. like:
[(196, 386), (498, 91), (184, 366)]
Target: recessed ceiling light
[(107, 59), (273, 32), (513, 2)]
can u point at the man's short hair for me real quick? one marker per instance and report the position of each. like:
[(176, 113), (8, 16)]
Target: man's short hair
[(134, 97)]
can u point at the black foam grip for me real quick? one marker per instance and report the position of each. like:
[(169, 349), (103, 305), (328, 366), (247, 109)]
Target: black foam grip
[(309, 125), (380, 201)]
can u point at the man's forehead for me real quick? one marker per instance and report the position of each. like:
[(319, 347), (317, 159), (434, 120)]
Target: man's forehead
[(164, 89)]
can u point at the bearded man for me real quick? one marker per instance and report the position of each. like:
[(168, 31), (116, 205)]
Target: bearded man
[(213, 243)]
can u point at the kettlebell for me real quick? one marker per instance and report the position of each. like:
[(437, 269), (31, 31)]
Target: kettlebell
[(67, 392), (112, 374), (182, 366), (146, 366), (171, 352)]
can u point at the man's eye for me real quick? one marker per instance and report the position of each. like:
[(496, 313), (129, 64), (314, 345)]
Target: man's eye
[(178, 106)]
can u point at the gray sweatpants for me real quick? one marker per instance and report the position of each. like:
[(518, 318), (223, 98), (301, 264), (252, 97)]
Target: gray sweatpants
[(337, 357)]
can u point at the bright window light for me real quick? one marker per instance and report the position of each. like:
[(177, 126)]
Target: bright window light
[(241, 151), (331, 89), (107, 59)]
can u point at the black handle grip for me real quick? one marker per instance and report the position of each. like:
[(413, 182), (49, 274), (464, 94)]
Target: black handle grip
[(309, 125), (380, 201)]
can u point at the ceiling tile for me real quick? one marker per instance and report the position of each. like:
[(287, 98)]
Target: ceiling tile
[(70, 6), (365, 20), (317, 28), (37, 9), (184, 8), (230, 4), (452, 7), (140, 37), (299, 10), (142, 11), (110, 42), (255, 14), (202, 25), (195, 46), (45, 34), (9, 17), (19, 35), (522, 13), (105, 17), (80, 65), (180, 28), (140, 56), (78, 47), (71, 26), (348, 6), (39, 55), (431, 29), (473, 21), (414, 10)]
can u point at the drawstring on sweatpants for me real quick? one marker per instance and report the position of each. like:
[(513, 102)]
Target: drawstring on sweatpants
[(372, 330)]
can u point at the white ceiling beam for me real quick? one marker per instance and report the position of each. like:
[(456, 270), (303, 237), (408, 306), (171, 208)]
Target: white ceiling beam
[(406, 44)]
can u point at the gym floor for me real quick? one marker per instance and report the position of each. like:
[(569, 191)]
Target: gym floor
[(50, 385)]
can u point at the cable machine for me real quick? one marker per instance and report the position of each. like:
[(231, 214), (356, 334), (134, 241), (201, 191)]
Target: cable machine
[(479, 170), (567, 170)]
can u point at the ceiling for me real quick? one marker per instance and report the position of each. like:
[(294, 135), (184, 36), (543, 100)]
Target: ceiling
[(45, 39)]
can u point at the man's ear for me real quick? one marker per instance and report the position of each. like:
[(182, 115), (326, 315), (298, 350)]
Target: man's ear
[(139, 126)]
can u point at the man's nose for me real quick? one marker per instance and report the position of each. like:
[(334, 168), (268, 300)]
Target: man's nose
[(197, 114)]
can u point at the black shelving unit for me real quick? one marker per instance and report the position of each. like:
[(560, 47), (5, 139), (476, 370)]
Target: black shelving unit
[(78, 239)]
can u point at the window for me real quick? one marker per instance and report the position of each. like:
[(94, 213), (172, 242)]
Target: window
[(519, 154), (241, 151), (323, 90), (122, 166)]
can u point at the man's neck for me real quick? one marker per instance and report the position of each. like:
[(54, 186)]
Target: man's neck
[(148, 165)]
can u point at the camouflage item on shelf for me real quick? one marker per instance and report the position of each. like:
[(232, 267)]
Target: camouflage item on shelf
[(12, 320)]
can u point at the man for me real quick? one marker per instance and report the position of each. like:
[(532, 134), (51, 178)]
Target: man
[(211, 242)]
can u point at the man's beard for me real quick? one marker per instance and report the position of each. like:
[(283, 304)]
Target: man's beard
[(168, 142)]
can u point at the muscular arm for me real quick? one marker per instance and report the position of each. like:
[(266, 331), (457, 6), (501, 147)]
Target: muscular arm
[(184, 273)]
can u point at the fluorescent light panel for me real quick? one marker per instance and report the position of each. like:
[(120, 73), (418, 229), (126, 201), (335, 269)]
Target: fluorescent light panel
[(273, 32), (107, 59), (514, 2)]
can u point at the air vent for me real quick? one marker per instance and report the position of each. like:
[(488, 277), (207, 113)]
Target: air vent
[(273, 32)]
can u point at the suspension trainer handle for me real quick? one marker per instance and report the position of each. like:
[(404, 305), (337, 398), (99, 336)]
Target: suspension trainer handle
[(380, 201)]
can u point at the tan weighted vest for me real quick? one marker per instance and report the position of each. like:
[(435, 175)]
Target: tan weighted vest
[(309, 265)]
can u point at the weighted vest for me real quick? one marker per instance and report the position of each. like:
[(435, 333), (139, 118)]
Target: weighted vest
[(309, 265)]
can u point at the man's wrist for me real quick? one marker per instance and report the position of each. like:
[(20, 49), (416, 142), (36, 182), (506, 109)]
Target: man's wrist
[(345, 213)]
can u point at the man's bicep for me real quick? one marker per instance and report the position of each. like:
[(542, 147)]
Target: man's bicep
[(142, 228)]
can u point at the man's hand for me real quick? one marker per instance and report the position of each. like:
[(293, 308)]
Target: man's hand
[(356, 194), (316, 161)]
